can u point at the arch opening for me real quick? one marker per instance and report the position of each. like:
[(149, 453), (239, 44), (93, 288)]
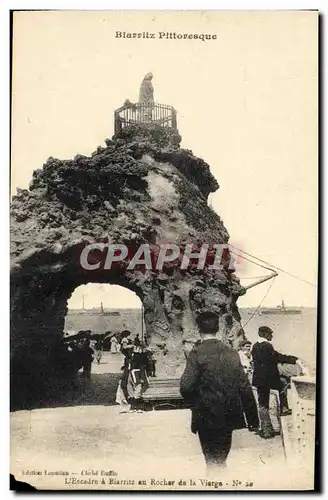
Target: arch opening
[(103, 309)]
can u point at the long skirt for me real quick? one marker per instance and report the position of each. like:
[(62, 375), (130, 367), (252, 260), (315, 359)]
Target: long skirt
[(120, 396)]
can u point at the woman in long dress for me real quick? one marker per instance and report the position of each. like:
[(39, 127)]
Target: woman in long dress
[(146, 97), (113, 345)]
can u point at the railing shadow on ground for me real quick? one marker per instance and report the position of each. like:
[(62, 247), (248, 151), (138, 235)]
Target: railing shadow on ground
[(73, 391)]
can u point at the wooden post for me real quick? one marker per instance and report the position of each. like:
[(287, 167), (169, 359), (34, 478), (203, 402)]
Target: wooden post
[(262, 280), (142, 323)]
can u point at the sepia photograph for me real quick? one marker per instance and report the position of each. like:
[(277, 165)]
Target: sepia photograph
[(164, 250)]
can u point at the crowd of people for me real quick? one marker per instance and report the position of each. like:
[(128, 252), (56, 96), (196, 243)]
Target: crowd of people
[(78, 352), (73, 355), (217, 384)]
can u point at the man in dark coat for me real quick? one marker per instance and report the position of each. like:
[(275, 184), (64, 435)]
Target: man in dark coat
[(86, 355), (266, 376), (216, 387)]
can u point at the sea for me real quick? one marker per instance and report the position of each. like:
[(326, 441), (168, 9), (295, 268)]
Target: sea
[(294, 334)]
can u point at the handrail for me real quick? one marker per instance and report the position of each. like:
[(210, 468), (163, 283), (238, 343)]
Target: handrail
[(145, 113)]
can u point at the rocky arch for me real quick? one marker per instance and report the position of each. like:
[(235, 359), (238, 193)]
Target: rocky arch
[(140, 188)]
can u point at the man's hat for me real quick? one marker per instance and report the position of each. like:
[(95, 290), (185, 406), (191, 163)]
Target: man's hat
[(245, 342), (208, 322), (264, 330), (207, 316)]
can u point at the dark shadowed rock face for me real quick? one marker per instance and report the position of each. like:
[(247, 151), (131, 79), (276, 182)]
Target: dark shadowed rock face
[(140, 188)]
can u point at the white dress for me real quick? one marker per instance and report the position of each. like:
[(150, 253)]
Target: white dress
[(113, 345)]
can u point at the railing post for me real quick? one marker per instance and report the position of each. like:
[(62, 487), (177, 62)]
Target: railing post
[(117, 122), (174, 119)]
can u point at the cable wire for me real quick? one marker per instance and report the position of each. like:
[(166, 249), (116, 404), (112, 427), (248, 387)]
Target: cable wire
[(258, 307), (268, 263)]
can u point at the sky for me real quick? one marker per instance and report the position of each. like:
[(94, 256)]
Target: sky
[(246, 103)]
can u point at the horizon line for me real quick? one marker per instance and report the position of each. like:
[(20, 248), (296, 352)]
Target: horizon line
[(97, 308)]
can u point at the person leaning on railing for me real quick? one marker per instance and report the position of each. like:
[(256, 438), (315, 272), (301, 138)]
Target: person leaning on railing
[(266, 377)]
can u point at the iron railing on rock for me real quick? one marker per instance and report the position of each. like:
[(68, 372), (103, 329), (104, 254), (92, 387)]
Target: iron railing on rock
[(145, 113)]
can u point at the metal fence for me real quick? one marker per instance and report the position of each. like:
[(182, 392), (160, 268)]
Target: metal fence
[(145, 113)]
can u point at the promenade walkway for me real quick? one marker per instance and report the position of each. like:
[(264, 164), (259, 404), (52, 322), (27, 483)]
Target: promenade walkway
[(158, 445)]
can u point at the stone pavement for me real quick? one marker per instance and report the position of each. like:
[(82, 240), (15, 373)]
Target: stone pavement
[(154, 445)]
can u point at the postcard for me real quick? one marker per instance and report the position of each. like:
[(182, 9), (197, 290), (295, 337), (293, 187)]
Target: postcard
[(164, 242)]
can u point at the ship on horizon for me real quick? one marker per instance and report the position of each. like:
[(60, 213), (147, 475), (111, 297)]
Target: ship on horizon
[(94, 311), (279, 309)]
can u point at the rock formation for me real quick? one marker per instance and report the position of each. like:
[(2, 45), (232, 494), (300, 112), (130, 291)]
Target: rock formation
[(140, 188)]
